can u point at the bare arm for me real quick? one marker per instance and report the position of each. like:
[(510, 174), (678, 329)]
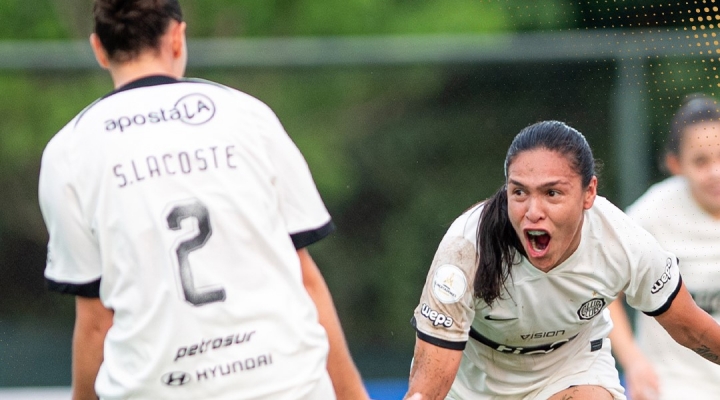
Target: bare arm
[(640, 376), (92, 321), (433, 371), (345, 376), (692, 327)]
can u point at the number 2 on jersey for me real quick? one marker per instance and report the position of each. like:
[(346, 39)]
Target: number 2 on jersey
[(198, 211)]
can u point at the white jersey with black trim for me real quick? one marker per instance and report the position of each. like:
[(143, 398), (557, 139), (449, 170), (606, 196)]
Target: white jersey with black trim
[(668, 211), (181, 204), (541, 319)]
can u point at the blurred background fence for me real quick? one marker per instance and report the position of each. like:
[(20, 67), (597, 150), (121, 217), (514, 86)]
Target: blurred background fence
[(404, 112)]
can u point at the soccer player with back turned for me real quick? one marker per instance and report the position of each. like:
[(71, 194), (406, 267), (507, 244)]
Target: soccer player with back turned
[(179, 212)]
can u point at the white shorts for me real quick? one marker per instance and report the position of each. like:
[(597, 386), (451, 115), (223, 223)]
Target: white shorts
[(539, 378), (323, 390)]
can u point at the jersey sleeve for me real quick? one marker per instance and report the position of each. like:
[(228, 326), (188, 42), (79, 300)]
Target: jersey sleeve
[(654, 279), (446, 308), (73, 259), (306, 218)]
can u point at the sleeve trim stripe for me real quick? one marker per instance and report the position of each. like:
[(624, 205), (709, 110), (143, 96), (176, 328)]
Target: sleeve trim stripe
[(668, 303), (445, 344), (306, 238), (90, 289)]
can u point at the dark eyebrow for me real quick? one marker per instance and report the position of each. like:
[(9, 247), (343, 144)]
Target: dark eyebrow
[(543, 186)]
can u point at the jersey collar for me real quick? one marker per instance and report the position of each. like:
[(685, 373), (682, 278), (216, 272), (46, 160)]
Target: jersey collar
[(153, 80)]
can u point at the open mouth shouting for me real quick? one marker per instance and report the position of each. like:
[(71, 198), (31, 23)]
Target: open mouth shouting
[(537, 242)]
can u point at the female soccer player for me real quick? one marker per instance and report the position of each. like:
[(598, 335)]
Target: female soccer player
[(514, 303), (683, 213), (179, 212)]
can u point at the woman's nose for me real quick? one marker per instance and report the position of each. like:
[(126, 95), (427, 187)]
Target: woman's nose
[(534, 212)]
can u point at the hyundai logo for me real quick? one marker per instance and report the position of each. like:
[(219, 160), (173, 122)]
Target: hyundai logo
[(175, 378)]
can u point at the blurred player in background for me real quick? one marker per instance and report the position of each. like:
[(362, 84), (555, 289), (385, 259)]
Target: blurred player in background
[(514, 304), (179, 212), (683, 213)]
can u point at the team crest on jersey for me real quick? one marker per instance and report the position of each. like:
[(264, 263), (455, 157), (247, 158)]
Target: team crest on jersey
[(664, 278), (591, 308), (449, 284)]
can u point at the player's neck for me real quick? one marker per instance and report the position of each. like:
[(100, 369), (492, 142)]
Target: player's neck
[(141, 67)]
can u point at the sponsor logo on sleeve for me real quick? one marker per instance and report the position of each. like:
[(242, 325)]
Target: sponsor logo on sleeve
[(664, 278), (438, 319), (449, 284), (591, 308)]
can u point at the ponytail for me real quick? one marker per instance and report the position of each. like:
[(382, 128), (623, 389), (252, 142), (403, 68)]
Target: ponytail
[(497, 247)]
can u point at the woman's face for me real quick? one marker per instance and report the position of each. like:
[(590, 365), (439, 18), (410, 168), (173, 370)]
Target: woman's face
[(546, 201), (699, 161)]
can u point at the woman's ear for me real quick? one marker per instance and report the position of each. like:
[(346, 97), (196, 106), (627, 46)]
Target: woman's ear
[(672, 162), (178, 39), (590, 193), (178, 48), (100, 54)]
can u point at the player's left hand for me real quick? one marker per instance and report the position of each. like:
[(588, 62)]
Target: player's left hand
[(641, 381)]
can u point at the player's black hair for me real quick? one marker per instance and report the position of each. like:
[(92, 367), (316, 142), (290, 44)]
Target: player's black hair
[(498, 244), (696, 108), (128, 27)]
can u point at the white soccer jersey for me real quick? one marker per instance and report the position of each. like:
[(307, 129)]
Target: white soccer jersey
[(181, 205), (545, 326), (668, 211)]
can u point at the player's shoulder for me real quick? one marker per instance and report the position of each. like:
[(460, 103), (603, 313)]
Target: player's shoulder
[(605, 207), (461, 237), (466, 224), (456, 255), (57, 156), (659, 198), (616, 232), (58, 143), (233, 94), (608, 220)]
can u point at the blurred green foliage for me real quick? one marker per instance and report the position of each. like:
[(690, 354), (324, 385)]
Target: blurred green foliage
[(397, 153), (53, 19), (20, 19)]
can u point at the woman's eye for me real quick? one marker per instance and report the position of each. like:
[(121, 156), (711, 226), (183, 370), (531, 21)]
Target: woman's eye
[(700, 162), (553, 193)]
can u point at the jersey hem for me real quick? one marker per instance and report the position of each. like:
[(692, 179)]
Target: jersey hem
[(89, 289), (306, 238), (668, 303)]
